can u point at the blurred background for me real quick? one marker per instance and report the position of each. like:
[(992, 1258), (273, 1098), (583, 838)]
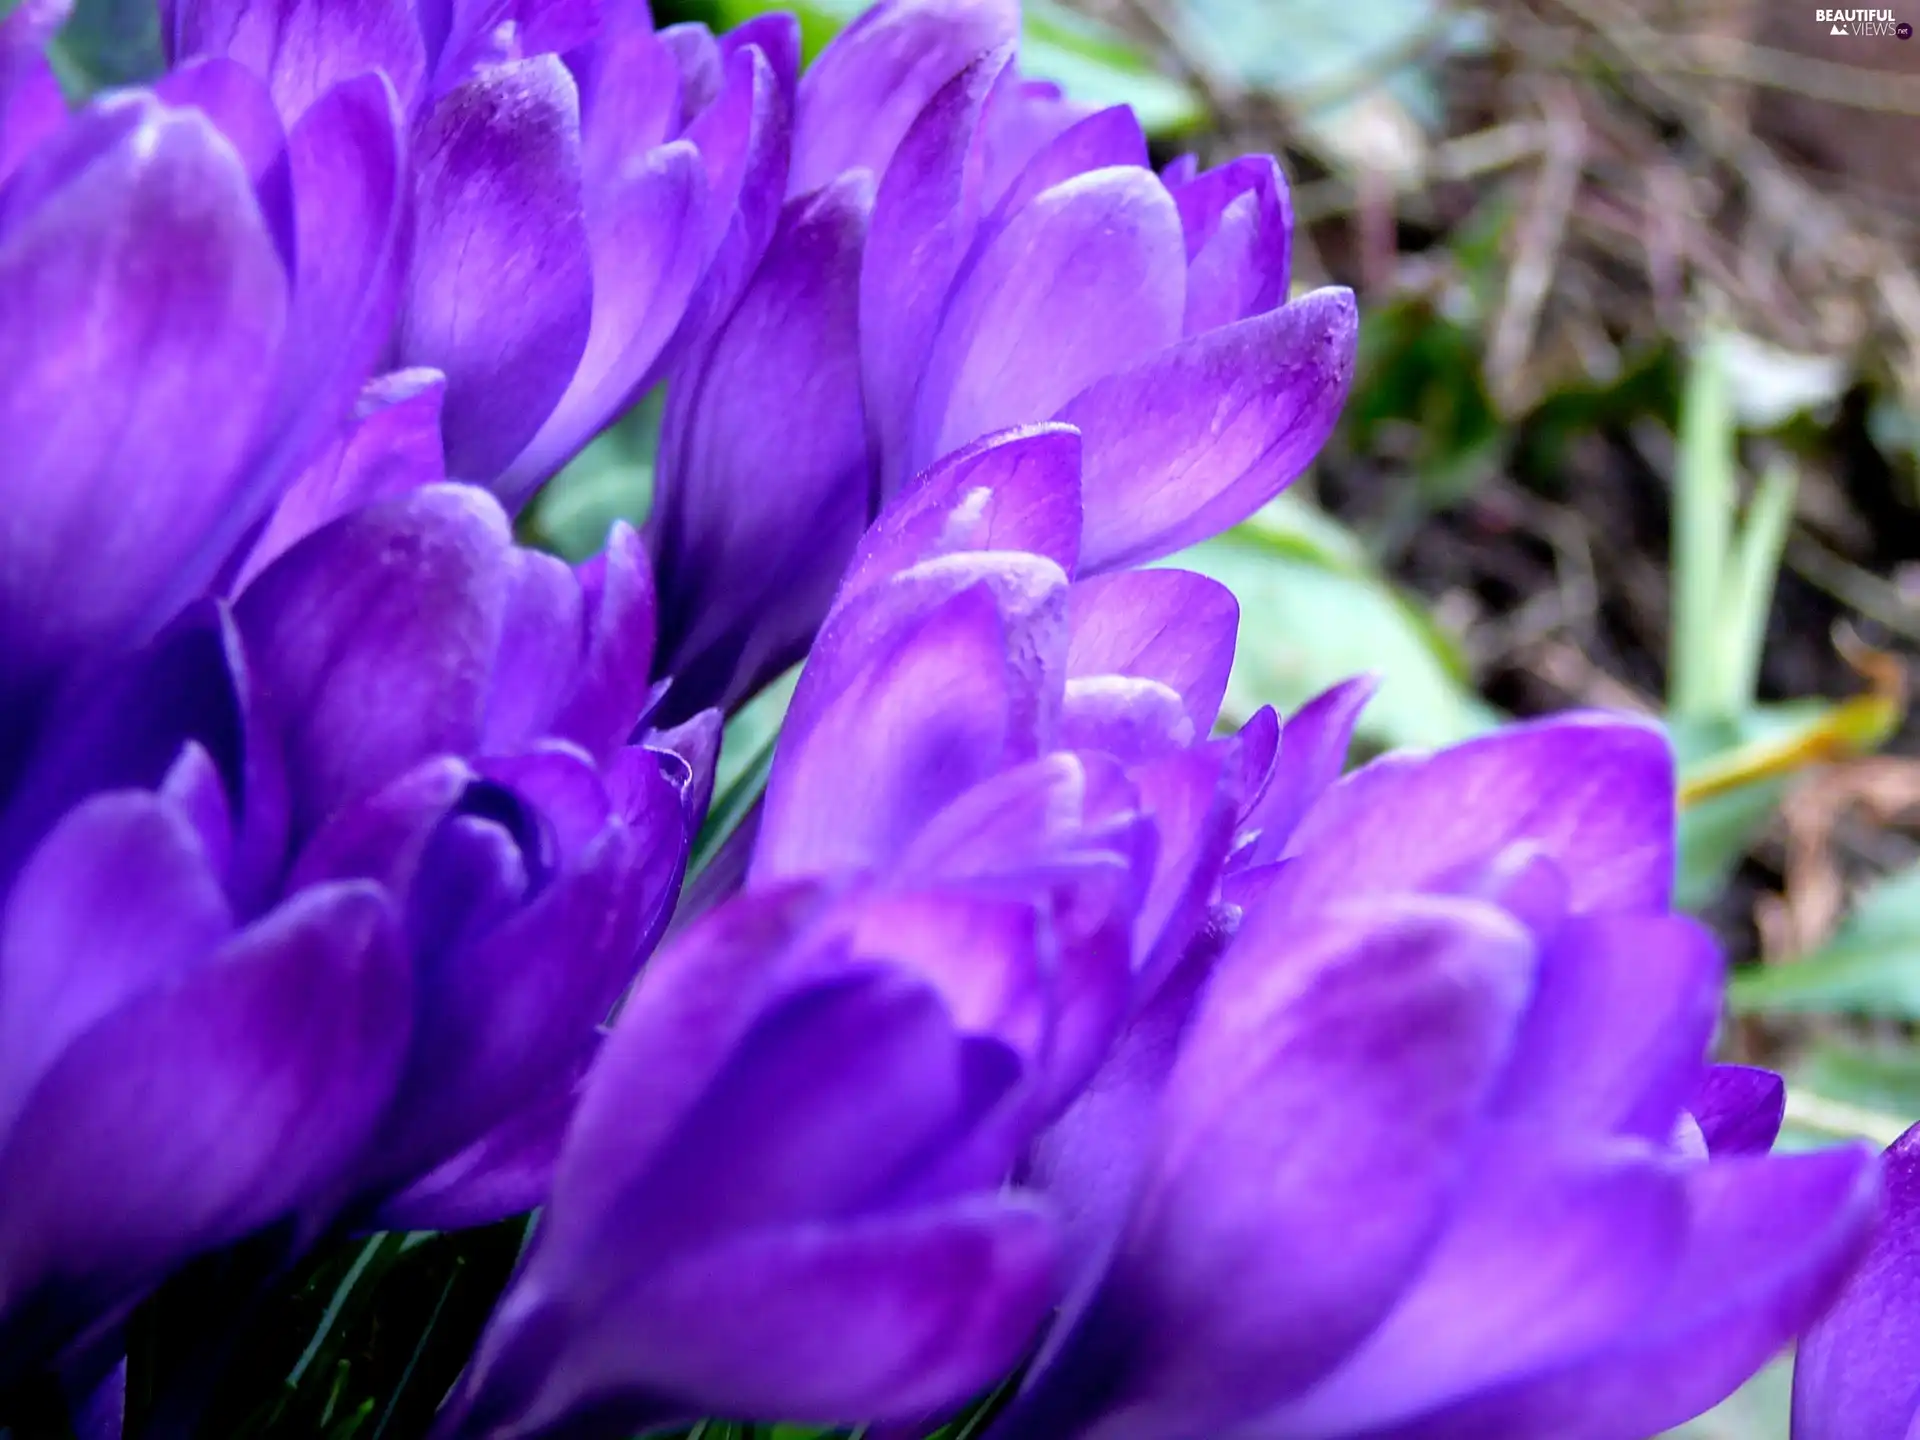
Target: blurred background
[(1636, 424)]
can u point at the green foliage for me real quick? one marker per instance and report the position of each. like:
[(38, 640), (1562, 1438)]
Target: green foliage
[(1314, 611), (1871, 966), (612, 479)]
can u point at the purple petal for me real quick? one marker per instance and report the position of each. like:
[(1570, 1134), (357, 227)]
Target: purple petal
[(539, 650), (871, 753), (611, 690), (1548, 1257), (630, 101), (1773, 1239), (31, 105), (1595, 794), (1166, 625), (1104, 139), (374, 640), (501, 295), (1023, 118), (391, 446), (120, 899), (644, 239), (1017, 490), (1198, 437), (746, 567), (890, 1317), (1192, 814), (1857, 1372), (353, 227), (1131, 719), (508, 1172), (1336, 1068), (302, 48), (205, 1109), (1040, 316), (924, 219), (1739, 1109), (241, 108), (1239, 226), (1615, 1041), (1313, 745), (871, 83), (148, 283)]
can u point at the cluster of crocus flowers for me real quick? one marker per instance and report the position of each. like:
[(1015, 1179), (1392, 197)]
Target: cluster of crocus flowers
[(1037, 1037)]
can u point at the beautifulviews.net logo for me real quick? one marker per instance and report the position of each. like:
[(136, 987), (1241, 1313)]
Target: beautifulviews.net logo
[(1863, 22)]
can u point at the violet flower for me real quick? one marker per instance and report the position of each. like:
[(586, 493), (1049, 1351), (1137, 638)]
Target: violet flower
[(781, 1191), (585, 190), (1019, 263), (1855, 1375), (1433, 1148), (254, 853)]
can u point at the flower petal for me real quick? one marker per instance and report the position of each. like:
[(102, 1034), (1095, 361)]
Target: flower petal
[(31, 105), (1594, 792), (209, 1108), (1313, 746), (1167, 625), (1196, 438), (1239, 226), (611, 690), (746, 566), (1857, 1372), (391, 446), (148, 283), (871, 83), (501, 294), (302, 48), (374, 641), (1015, 490), (1739, 1109), (1039, 317)]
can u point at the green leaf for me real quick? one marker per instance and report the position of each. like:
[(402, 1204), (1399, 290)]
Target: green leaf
[(612, 479), (1871, 967), (1759, 1410), (107, 43), (1313, 612), (1704, 490)]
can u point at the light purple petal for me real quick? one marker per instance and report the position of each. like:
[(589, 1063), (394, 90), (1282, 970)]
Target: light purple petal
[(1334, 1070), (302, 48), (1016, 490), (611, 689), (1104, 139), (1312, 752), (1739, 1109), (1198, 437), (374, 640), (1085, 280), (147, 283), (205, 1109), (764, 475), (1548, 1256), (1192, 814), (1166, 625), (120, 899), (1772, 1241), (501, 295), (241, 108), (391, 446), (1024, 116), (1616, 1039), (539, 652), (643, 234), (31, 105), (1239, 226), (630, 100), (924, 219), (871, 83), (1594, 792), (1857, 1372)]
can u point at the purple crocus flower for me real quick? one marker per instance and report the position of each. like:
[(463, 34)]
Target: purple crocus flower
[(780, 1194), (584, 190), (313, 900), (1018, 263), (1855, 1375), (1432, 1148)]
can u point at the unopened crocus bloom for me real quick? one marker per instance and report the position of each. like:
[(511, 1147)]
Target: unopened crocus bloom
[(1018, 262), (1433, 1148), (584, 190), (1856, 1374), (781, 1194)]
